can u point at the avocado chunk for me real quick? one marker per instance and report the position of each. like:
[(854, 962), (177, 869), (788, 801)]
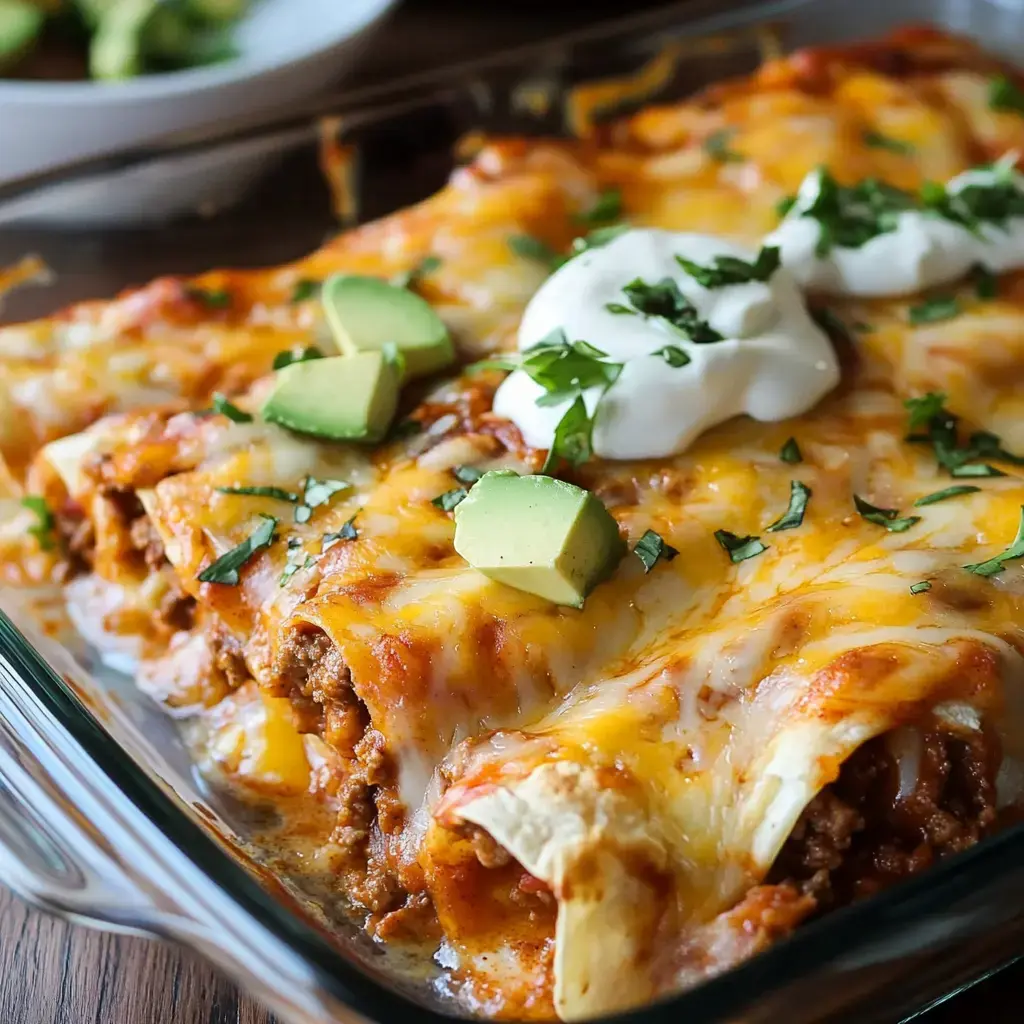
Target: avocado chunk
[(365, 314), (20, 25), (116, 50), (342, 398), (538, 534)]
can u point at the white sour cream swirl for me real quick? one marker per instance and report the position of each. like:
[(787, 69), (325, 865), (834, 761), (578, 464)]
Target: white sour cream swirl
[(924, 250), (773, 363)]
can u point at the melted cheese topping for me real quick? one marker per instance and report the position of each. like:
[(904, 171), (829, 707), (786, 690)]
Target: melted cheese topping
[(703, 703)]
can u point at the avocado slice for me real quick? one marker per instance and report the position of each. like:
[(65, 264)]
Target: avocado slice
[(342, 398), (20, 25), (366, 313), (538, 534)]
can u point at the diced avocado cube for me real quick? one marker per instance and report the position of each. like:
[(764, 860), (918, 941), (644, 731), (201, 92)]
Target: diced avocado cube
[(538, 534), (20, 25), (365, 314), (342, 398)]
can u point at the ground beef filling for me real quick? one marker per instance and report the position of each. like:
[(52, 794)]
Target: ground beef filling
[(862, 833)]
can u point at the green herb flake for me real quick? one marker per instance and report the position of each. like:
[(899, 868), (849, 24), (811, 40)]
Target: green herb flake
[(410, 278), (261, 492), (530, 248), (305, 289), (738, 548), (404, 429), (1015, 551), (45, 522), (297, 559), (941, 307), (229, 409), (650, 547), (729, 270), (716, 145), (447, 501), (945, 494), (975, 471), (225, 569), (1005, 95), (784, 205), (876, 140), (607, 207), (924, 408), (986, 284), (664, 301), (978, 203), (212, 298), (799, 495), (920, 588), (887, 517), (619, 309), (790, 452), (319, 492), (467, 474), (595, 239), (347, 532), (572, 441), (289, 356), (850, 216), (673, 355)]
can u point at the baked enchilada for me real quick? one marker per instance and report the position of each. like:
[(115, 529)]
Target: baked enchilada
[(608, 564)]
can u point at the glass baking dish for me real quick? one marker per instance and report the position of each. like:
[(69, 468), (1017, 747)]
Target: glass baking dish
[(103, 816)]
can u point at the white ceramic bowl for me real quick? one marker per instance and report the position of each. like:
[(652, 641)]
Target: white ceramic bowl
[(290, 49)]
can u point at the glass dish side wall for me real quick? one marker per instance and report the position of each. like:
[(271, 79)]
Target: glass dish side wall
[(874, 961)]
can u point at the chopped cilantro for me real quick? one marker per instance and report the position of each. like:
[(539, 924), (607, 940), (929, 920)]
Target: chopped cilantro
[(650, 547), (673, 355), (531, 248), (877, 140), (1005, 95), (305, 289), (887, 517), (850, 216), (790, 452), (447, 501), (410, 278), (45, 521), (924, 408), (941, 307), (729, 270), (572, 440), (225, 569), (319, 492), (619, 309), (261, 492), (740, 549), (297, 559), (595, 239), (213, 298), (920, 588), (944, 494), (226, 408), (467, 474), (666, 302), (978, 203), (716, 145), (347, 532), (799, 495), (986, 284), (996, 565), (607, 207), (784, 205), (289, 356)]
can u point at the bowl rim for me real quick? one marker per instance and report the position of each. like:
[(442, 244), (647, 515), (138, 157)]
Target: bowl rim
[(360, 15)]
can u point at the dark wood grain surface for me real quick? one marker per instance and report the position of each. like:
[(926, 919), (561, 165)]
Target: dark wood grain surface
[(52, 972)]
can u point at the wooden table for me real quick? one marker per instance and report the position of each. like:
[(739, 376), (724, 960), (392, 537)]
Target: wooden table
[(52, 972)]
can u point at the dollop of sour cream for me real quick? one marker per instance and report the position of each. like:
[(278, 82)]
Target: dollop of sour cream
[(924, 249), (772, 363)]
